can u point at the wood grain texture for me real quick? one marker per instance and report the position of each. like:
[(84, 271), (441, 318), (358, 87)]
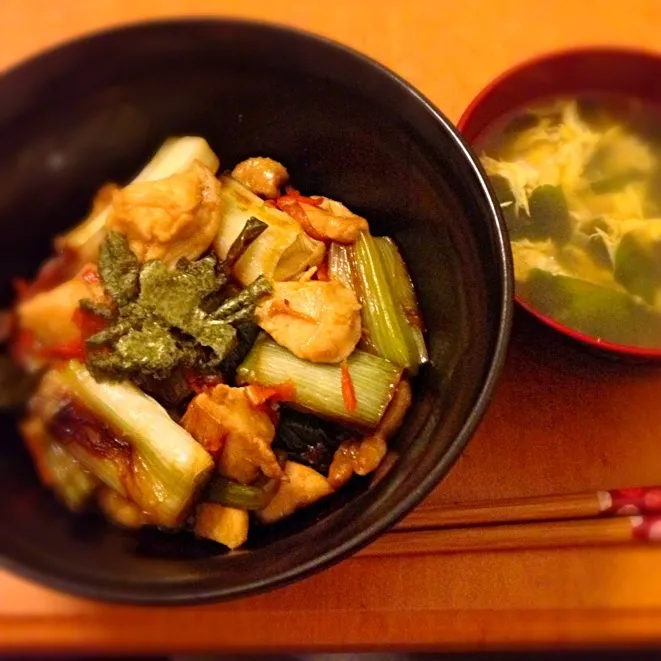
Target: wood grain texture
[(549, 534), (505, 510), (561, 421)]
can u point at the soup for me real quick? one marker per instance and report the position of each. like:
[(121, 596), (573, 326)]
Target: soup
[(579, 183)]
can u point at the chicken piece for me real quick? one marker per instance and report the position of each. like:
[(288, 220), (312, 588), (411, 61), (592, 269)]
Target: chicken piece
[(49, 316), (326, 219), (317, 321), (242, 437), (103, 197), (263, 176), (301, 487), (364, 456), (202, 422), (170, 218), (225, 525), (121, 510)]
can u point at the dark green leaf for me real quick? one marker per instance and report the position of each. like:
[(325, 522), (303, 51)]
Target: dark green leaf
[(251, 230), (118, 268), (249, 296), (175, 295), (549, 213), (170, 391), (246, 335), (309, 440), (152, 350), (599, 311), (99, 309), (213, 333)]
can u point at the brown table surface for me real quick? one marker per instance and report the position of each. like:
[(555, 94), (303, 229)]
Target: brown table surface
[(561, 421)]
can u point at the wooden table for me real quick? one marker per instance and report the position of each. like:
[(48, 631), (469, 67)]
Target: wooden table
[(560, 421)]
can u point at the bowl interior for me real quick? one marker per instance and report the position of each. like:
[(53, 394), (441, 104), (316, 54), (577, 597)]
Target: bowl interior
[(93, 111), (577, 72)]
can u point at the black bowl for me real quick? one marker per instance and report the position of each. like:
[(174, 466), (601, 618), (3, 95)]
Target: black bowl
[(94, 110)]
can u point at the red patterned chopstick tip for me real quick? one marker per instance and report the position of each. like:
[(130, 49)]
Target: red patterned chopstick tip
[(636, 500), (646, 528)]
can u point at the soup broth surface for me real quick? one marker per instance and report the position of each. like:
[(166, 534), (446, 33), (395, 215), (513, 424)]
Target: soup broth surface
[(579, 183)]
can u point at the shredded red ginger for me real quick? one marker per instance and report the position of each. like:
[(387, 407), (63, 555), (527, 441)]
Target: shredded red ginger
[(25, 345), (292, 195), (348, 391), (260, 395), (291, 203)]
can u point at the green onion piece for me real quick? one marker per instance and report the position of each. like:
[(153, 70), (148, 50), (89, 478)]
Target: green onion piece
[(405, 299), (319, 386), (281, 252), (388, 331), (127, 440), (175, 155), (340, 265), (72, 483), (245, 298), (233, 494), (251, 230)]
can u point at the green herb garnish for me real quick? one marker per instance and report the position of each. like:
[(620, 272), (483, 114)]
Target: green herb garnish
[(167, 319), (176, 295), (118, 268)]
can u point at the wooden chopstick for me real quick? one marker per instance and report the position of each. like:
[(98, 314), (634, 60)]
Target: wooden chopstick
[(618, 502), (585, 532)]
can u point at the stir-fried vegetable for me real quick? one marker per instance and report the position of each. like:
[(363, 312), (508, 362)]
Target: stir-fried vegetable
[(245, 497), (405, 299), (318, 387), (309, 440), (121, 510), (251, 230), (126, 439), (165, 319), (71, 481), (163, 292), (175, 155), (375, 270), (281, 252), (58, 469)]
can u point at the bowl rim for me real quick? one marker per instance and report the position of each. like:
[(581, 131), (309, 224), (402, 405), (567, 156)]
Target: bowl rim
[(492, 89), (185, 594)]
